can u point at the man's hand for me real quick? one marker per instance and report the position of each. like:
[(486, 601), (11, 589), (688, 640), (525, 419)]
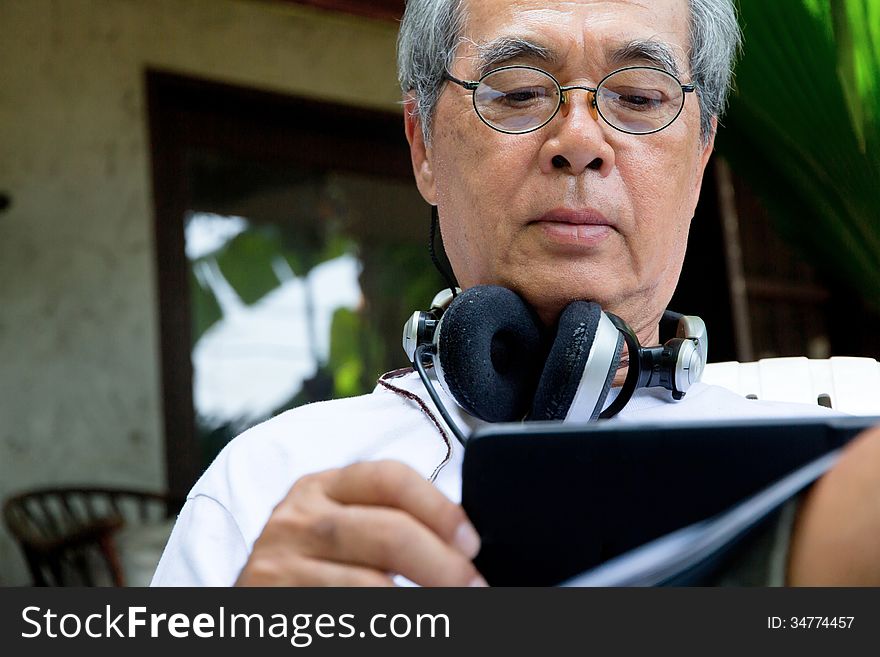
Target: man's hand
[(836, 539), (360, 525)]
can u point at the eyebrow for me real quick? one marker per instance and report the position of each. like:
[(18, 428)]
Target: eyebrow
[(656, 53), (502, 50), (499, 51)]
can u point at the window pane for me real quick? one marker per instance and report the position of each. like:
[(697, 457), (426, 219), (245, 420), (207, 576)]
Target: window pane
[(300, 283)]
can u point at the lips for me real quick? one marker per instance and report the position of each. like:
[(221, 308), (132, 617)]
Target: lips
[(585, 228)]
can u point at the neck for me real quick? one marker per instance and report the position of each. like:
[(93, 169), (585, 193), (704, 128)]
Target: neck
[(647, 336)]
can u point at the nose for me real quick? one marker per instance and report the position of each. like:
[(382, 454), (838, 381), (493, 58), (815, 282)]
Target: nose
[(568, 99), (576, 141)]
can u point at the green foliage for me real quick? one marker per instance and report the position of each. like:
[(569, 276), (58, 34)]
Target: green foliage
[(407, 276), (804, 128), (355, 354), (857, 31), (246, 263)]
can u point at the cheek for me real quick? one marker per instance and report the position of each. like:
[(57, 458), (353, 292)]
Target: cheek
[(480, 164), (458, 160), (670, 164), (479, 174), (663, 186)]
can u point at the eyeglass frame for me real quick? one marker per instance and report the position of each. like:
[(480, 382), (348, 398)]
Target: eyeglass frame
[(472, 85)]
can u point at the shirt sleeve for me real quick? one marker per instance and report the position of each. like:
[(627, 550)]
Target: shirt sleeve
[(206, 547)]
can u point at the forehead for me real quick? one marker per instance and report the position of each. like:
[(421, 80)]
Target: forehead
[(576, 30)]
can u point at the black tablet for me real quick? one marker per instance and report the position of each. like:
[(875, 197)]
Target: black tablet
[(553, 500)]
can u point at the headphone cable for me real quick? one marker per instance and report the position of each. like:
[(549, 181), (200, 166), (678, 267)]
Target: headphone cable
[(429, 385)]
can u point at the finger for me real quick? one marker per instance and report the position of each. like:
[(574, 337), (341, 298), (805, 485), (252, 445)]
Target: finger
[(389, 540), (393, 484), (328, 573), (302, 571)]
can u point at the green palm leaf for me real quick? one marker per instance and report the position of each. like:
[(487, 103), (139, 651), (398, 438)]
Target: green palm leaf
[(804, 128)]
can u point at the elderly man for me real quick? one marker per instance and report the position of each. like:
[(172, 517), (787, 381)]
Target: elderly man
[(564, 144)]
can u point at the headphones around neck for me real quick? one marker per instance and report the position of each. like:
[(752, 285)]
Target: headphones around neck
[(500, 364)]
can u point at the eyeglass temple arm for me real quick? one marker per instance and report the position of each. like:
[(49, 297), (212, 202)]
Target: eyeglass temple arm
[(470, 85)]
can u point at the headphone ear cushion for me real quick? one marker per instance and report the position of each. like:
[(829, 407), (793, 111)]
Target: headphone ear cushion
[(564, 367), (490, 351)]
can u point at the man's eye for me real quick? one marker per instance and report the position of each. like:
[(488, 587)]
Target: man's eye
[(639, 100), (523, 97)]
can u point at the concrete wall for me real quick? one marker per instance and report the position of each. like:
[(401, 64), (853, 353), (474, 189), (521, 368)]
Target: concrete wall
[(79, 377)]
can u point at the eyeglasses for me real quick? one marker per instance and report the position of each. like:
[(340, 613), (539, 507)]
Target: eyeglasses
[(637, 100)]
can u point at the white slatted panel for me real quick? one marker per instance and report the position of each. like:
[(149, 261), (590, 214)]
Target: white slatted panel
[(852, 383), (750, 382), (857, 384), (786, 380), (725, 375), (822, 381)]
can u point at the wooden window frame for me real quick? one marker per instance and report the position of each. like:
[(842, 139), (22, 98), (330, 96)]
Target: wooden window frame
[(187, 113), (390, 10)]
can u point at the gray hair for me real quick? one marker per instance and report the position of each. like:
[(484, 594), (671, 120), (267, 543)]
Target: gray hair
[(431, 31)]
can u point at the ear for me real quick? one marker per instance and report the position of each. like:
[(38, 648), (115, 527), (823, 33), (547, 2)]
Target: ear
[(420, 153), (703, 160)]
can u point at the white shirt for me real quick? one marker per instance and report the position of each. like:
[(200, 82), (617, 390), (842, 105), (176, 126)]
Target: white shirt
[(228, 507)]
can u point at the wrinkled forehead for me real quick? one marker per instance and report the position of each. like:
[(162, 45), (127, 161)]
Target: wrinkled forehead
[(577, 33)]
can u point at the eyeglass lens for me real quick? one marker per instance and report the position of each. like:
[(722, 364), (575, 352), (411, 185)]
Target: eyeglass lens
[(634, 100)]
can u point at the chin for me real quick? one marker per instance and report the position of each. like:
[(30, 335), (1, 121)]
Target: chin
[(549, 289), (550, 296)]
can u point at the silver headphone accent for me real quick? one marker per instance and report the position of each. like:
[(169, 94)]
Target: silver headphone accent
[(596, 373), (421, 327), (693, 353)]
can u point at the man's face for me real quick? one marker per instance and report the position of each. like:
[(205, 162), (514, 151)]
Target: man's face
[(576, 209)]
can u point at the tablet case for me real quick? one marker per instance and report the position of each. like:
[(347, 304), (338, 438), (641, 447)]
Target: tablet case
[(551, 501)]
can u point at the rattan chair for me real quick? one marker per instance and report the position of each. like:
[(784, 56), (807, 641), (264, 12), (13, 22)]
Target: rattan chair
[(68, 535)]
